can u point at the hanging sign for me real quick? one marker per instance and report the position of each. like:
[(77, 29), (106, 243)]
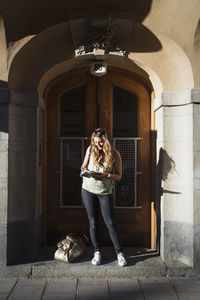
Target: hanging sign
[(98, 68)]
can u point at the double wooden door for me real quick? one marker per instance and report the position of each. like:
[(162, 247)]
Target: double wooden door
[(76, 104)]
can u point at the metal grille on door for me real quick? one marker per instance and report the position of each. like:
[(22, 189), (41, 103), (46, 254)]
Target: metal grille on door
[(71, 157)]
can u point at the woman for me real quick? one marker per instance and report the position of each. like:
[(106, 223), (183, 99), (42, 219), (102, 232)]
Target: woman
[(100, 160)]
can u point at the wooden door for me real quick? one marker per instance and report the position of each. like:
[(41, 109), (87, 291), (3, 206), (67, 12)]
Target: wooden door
[(76, 104)]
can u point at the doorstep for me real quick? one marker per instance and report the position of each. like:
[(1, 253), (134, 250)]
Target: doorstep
[(141, 263)]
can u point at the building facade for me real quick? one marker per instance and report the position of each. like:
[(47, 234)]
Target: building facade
[(148, 101)]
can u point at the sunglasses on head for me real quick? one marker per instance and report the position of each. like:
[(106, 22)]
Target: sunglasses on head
[(99, 132)]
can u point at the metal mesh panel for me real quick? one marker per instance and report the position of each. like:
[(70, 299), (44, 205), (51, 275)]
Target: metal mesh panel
[(125, 194), (71, 160)]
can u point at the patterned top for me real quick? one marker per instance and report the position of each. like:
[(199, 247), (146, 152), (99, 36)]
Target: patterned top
[(98, 186)]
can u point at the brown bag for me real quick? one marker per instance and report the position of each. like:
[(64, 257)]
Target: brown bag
[(74, 246)]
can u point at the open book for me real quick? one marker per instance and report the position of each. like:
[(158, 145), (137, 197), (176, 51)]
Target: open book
[(86, 173)]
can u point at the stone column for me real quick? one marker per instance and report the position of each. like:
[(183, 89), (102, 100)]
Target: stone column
[(4, 119), (178, 175), (22, 220), (39, 171), (196, 178)]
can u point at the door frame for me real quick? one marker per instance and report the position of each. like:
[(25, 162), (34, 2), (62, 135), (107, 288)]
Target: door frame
[(57, 86)]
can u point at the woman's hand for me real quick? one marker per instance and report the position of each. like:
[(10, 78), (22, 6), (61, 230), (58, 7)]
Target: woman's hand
[(95, 175), (105, 174)]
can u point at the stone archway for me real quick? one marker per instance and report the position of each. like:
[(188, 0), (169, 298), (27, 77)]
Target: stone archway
[(174, 109)]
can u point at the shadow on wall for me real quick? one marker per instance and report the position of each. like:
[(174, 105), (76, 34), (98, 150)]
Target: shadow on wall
[(49, 13), (164, 166), (112, 31), (4, 95), (61, 37)]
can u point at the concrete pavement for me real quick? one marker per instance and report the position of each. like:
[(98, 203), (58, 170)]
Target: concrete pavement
[(164, 288)]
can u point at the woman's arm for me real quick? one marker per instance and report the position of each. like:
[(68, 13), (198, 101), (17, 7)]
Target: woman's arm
[(117, 166), (86, 159)]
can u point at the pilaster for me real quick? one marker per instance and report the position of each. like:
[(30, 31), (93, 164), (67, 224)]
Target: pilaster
[(178, 124), (4, 138)]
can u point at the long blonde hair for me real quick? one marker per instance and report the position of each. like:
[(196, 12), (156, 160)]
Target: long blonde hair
[(105, 156)]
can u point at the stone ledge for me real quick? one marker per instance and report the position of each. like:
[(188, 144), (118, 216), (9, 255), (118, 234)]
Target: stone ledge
[(178, 269), (177, 98)]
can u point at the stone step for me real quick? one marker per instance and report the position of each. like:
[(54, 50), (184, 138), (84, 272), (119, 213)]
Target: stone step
[(141, 263), (55, 269)]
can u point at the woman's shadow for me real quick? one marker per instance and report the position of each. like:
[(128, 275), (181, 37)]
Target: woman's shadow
[(164, 166)]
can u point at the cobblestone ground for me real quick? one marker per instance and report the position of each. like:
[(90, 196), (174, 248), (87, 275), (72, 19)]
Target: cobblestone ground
[(100, 289)]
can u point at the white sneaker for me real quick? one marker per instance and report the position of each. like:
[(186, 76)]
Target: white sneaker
[(96, 259), (121, 259)]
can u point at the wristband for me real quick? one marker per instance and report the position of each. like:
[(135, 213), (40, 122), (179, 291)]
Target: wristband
[(108, 175)]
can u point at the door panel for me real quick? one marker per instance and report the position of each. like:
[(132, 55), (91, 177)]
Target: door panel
[(75, 106), (91, 111), (60, 220), (140, 225), (72, 112), (105, 95), (125, 113)]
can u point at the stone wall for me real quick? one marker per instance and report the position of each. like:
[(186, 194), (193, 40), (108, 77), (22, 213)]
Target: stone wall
[(196, 180), (177, 124), (4, 124), (21, 232), (39, 172)]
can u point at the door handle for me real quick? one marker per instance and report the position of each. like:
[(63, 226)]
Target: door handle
[(139, 173)]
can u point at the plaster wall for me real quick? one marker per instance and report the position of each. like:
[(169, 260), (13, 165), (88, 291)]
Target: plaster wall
[(196, 55), (170, 64), (3, 53), (177, 20)]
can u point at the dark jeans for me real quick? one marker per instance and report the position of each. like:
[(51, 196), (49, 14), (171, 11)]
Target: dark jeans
[(107, 210)]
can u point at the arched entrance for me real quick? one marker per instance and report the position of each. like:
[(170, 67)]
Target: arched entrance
[(76, 103)]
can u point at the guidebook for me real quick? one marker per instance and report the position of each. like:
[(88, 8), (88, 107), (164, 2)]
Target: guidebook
[(86, 173)]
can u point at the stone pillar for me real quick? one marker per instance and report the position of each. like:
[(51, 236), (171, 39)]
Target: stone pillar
[(4, 135), (39, 171), (22, 220), (196, 179), (178, 175)]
